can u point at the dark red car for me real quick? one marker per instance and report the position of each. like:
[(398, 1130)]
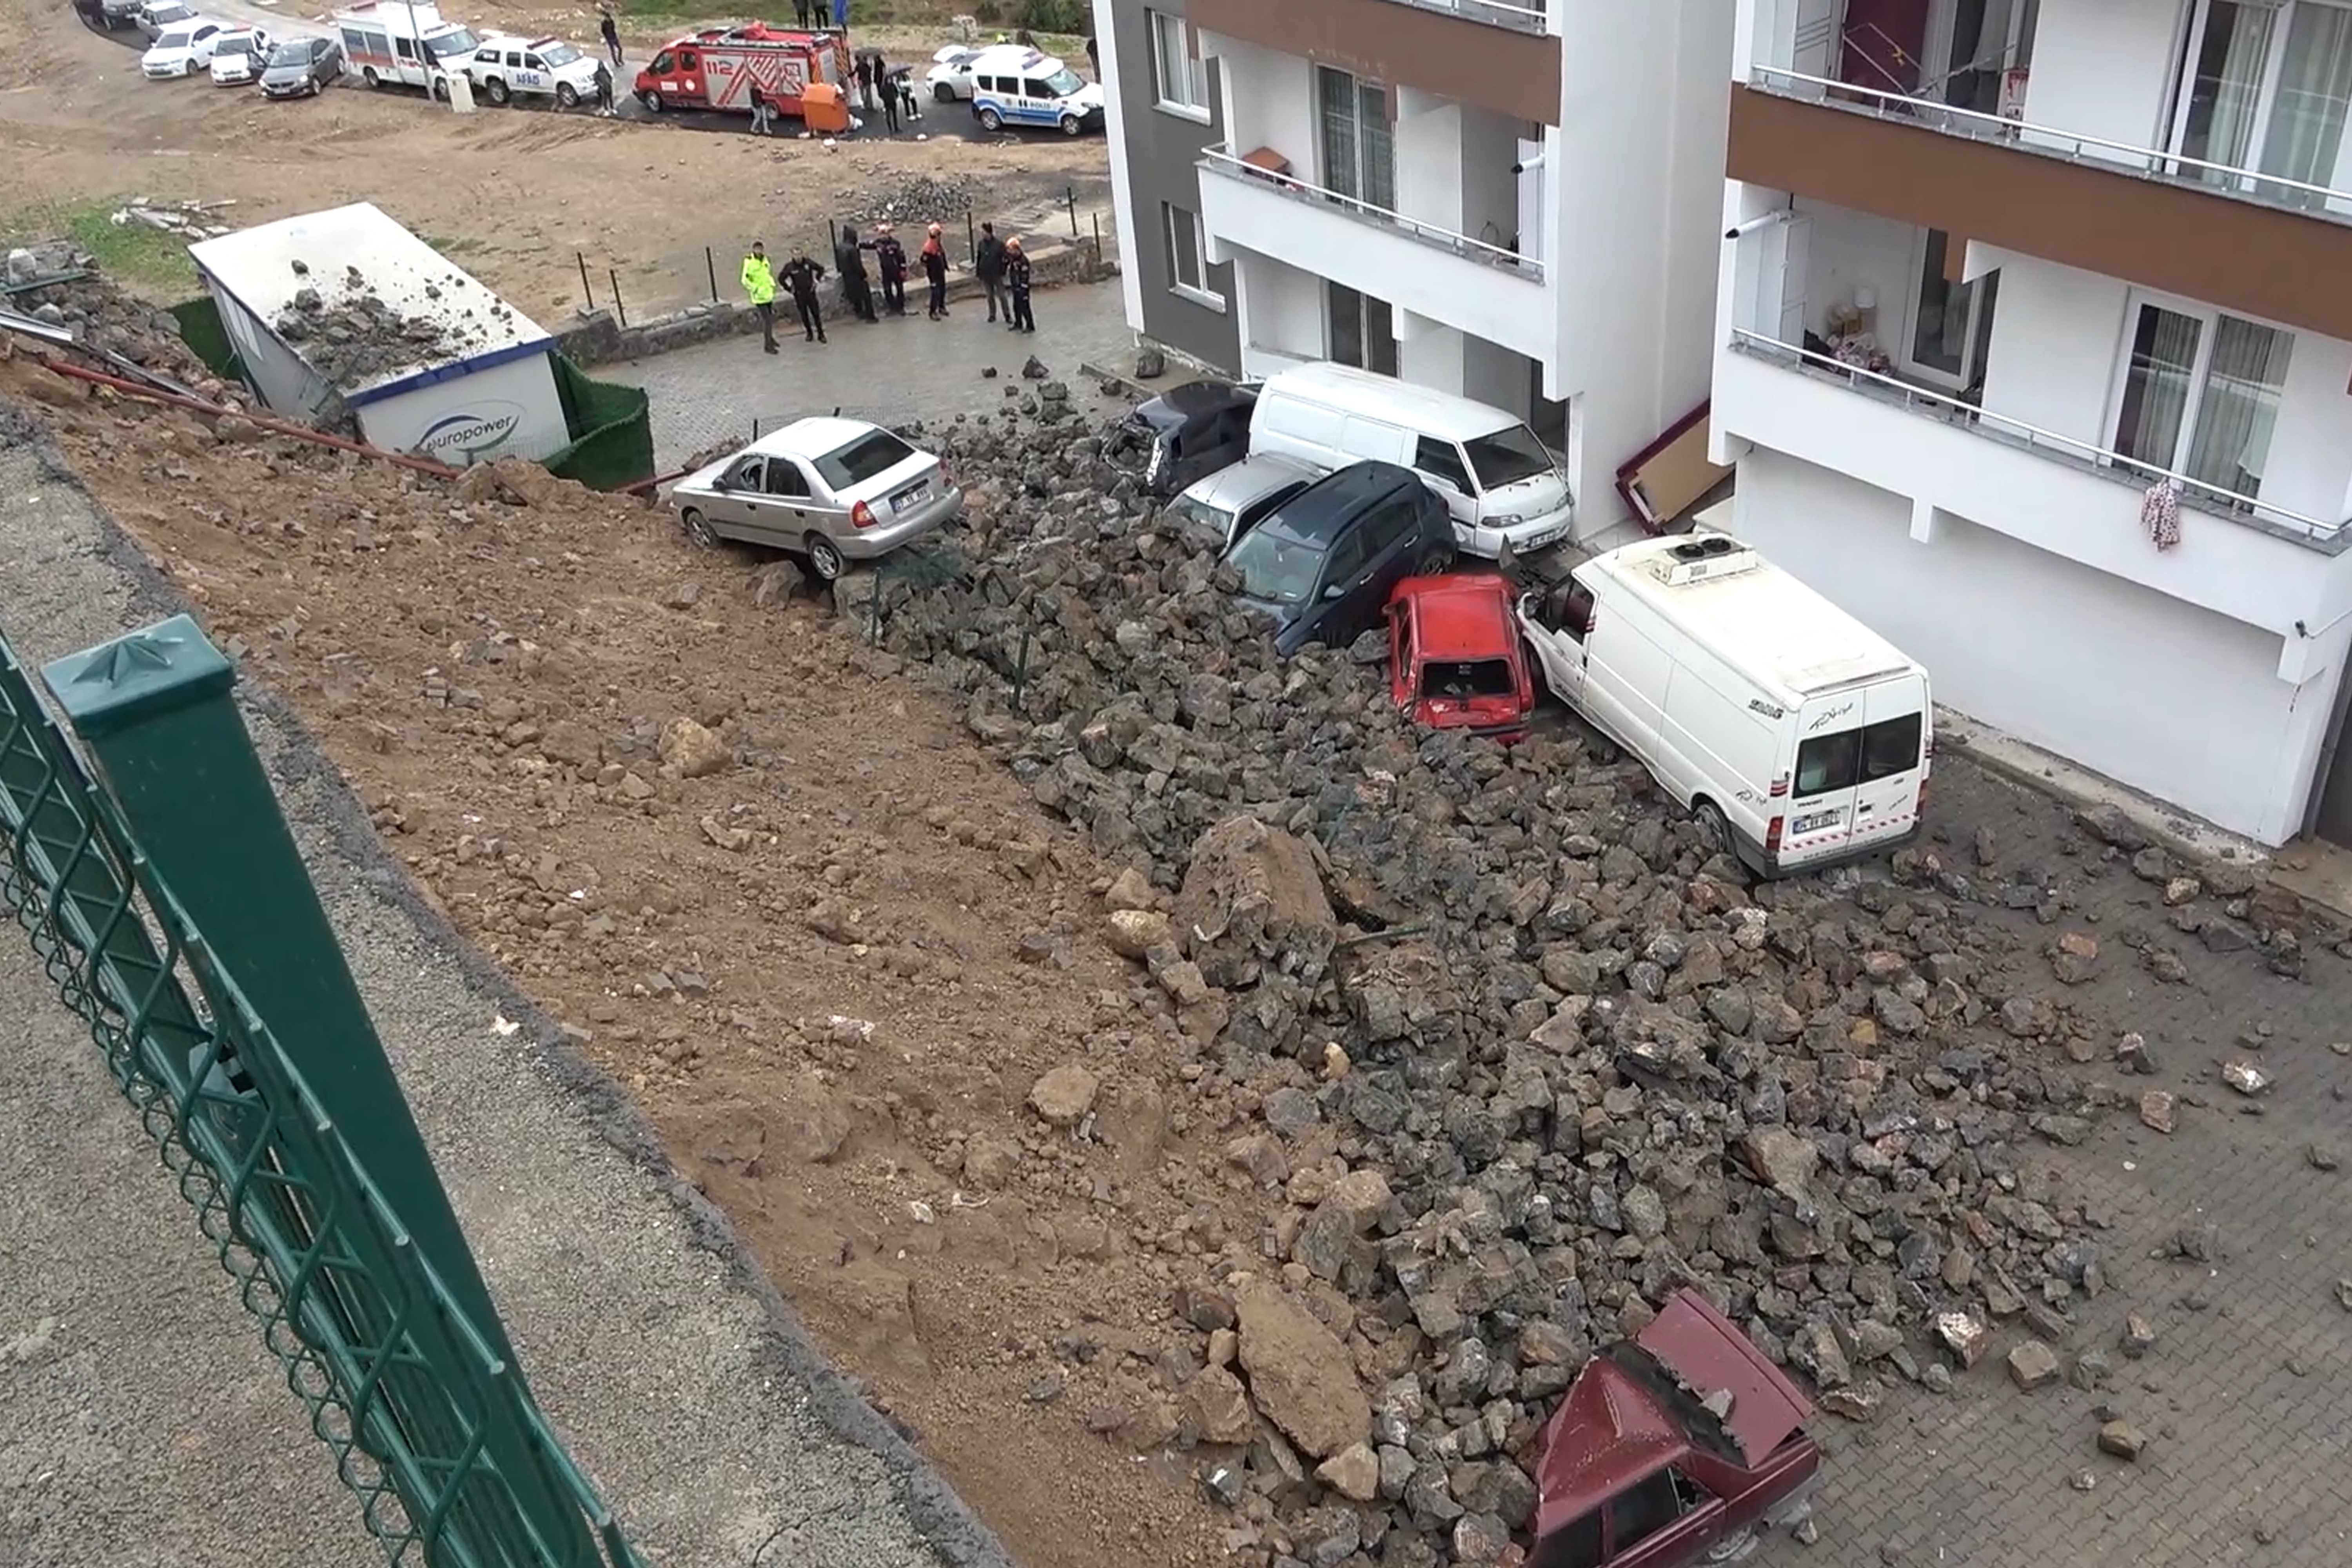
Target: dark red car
[(1672, 1447), (1456, 658)]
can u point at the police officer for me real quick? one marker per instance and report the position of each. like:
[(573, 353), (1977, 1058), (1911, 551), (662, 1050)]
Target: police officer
[(801, 275), (857, 289), (1016, 283), (891, 257), (759, 288)]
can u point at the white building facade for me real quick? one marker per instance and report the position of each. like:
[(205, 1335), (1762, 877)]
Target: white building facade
[(1519, 202), (2033, 351)]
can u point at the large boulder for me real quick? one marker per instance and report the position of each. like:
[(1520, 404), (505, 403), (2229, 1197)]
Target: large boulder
[(1300, 1375), (1252, 900)]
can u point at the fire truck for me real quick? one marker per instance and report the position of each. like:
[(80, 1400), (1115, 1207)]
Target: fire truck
[(718, 67)]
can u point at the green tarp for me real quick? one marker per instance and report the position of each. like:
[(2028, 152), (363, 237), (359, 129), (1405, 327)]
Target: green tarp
[(200, 330), (612, 431)]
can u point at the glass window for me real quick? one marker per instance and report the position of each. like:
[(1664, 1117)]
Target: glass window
[(1506, 456), (2255, 96), (784, 479), (1176, 75), (663, 63), (689, 60), (2155, 385), (1061, 84), (2202, 397), (1890, 747), (876, 452), (1387, 527), (1649, 1506), (1575, 1544), (1276, 567), (1475, 677), (1828, 763), (744, 476), (1358, 147), (1346, 561), (1444, 459), (1184, 259), (1361, 330)]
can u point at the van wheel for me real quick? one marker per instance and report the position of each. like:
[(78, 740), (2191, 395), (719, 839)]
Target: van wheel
[(652, 101), (697, 530), (566, 95), (1072, 125), (825, 558), (942, 93), (990, 119), (367, 74), (1714, 829), (494, 90), (440, 90)]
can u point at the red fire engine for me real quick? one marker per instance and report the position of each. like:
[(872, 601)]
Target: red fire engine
[(718, 67)]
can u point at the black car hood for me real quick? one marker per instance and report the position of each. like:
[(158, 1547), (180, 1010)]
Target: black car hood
[(1172, 407)]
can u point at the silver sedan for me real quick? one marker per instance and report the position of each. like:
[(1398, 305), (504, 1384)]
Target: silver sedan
[(831, 491)]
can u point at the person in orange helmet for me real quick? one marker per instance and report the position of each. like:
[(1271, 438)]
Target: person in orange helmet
[(935, 271)]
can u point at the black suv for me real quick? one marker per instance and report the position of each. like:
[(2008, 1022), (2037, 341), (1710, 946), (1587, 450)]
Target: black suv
[(1186, 432), (1323, 564)]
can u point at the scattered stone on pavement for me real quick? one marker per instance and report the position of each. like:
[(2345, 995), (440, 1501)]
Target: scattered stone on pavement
[(2033, 1365), (2122, 1439)]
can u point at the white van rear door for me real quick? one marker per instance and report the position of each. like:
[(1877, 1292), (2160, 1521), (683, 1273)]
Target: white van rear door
[(1822, 784), (1894, 759)]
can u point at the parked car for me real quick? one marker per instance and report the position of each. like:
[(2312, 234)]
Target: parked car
[(154, 15), (1322, 566), (950, 78), (1230, 502), (505, 68), (238, 57), (1672, 1447), (830, 489), (1795, 735), (182, 49), (302, 67), (1185, 434), (1456, 661)]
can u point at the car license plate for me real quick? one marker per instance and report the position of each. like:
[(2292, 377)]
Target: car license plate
[(1548, 536), (1816, 822), (915, 497)]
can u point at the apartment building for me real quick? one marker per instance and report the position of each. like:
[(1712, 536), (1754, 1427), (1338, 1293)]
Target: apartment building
[(1516, 202), (2033, 350)]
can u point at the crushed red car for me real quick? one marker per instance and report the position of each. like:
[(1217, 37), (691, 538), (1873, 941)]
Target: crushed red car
[(1455, 660), (1672, 1447)]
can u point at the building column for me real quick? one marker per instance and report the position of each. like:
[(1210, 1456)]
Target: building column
[(1430, 353), (1428, 141)]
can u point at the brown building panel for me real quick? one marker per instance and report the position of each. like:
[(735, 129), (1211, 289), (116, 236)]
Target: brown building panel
[(1512, 73), (2237, 254)]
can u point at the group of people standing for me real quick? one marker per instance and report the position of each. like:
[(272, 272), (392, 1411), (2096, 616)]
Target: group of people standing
[(1001, 267)]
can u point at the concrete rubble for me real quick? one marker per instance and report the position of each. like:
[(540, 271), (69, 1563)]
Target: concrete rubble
[(345, 331)]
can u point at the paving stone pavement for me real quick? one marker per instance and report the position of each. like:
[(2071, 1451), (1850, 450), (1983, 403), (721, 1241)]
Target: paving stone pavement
[(2240, 1396), (902, 368)]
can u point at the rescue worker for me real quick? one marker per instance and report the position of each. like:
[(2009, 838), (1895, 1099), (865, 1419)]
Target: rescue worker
[(611, 32), (935, 271), (759, 288), (891, 257), (800, 276), (605, 89), (856, 289), (863, 71), (988, 266), (1016, 283), (763, 111)]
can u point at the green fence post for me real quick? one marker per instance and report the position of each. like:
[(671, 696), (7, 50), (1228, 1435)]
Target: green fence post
[(154, 710)]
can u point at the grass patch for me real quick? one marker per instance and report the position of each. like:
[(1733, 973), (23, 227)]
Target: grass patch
[(145, 261), (461, 245)]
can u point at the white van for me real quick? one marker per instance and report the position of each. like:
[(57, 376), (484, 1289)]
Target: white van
[(1498, 479), (1795, 734)]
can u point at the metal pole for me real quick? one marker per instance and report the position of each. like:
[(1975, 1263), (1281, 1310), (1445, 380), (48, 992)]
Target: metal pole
[(584, 286), (1096, 219), (1070, 196), (710, 265), (971, 239), (618, 309), (1020, 666)]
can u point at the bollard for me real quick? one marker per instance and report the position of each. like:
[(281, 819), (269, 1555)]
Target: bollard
[(710, 266), (584, 286), (1070, 199), (618, 309), (971, 239), (1096, 220)]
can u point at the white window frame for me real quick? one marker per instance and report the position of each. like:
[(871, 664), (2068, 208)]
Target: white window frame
[(2192, 46), (1163, 30), (1171, 217), (2206, 318), (1907, 351)]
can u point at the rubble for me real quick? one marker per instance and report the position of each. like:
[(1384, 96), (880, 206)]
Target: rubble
[(344, 331), (901, 198)]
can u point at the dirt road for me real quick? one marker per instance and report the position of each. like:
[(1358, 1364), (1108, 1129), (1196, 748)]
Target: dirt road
[(513, 193)]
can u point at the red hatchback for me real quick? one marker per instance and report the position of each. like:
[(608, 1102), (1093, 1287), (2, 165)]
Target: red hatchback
[(1456, 658), (1672, 1447)]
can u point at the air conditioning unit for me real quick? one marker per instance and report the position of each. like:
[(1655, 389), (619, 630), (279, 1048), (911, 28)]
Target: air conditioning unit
[(1704, 559)]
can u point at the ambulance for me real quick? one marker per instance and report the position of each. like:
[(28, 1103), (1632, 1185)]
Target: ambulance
[(718, 67), (391, 41)]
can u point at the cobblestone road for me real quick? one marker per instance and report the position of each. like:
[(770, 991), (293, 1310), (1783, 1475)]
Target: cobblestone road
[(2242, 1395), (903, 368)]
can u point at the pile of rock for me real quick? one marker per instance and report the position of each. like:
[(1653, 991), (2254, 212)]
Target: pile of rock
[(105, 319), (900, 199), (1523, 1060), (347, 332)]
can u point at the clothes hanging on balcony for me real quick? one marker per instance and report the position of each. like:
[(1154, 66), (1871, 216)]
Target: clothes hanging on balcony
[(2160, 514)]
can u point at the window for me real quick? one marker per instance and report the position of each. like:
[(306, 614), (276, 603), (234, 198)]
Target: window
[(876, 452), (2201, 397), (744, 476), (1361, 330), (1276, 566), (688, 61), (785, 479), (514, 61), (1464, 679), (403, 48), (2265, 87), (1187, 256), (1359, 148), (1506, 456), (1828, 763), (1650, 1505), (1037, 87), (1890, 747), (1346, 561), (1952, 327), (1442, 459), (663, 64), (1575, 1544), (1179, 85), (1389, 527)]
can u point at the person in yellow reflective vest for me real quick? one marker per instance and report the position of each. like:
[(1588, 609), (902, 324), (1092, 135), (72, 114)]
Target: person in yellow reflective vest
[(759, 288)]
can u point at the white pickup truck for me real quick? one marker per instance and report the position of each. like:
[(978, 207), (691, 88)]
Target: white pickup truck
[(504, 68)]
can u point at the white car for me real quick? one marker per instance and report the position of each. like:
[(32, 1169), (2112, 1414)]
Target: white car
[(950, 78), (238, 57), (154, 15), (503, 68), (183, 49)]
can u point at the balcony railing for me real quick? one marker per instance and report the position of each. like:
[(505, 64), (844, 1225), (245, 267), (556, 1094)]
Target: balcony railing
[(1496, 13), (1220, 160), (2196, 173), (1950, 410)]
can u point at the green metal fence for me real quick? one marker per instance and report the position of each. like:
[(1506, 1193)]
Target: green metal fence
[(430, 1424)]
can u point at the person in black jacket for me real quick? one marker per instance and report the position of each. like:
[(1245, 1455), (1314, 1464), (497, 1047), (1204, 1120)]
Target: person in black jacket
[(801, 276), (988, 266), (891, 257), (857, 289), (610, 31), (863, 71), (935, 270), (1016, 283)]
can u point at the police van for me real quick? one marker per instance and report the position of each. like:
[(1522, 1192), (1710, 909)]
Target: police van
[(505, 66), (1015, 86)]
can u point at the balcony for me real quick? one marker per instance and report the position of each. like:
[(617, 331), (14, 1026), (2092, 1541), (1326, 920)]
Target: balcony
[(1416, 265), (1467, 51), (2239, 557), (2271, 248)]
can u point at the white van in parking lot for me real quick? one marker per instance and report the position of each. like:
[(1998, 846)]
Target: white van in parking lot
[(1496, 479), (1795, 734)]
